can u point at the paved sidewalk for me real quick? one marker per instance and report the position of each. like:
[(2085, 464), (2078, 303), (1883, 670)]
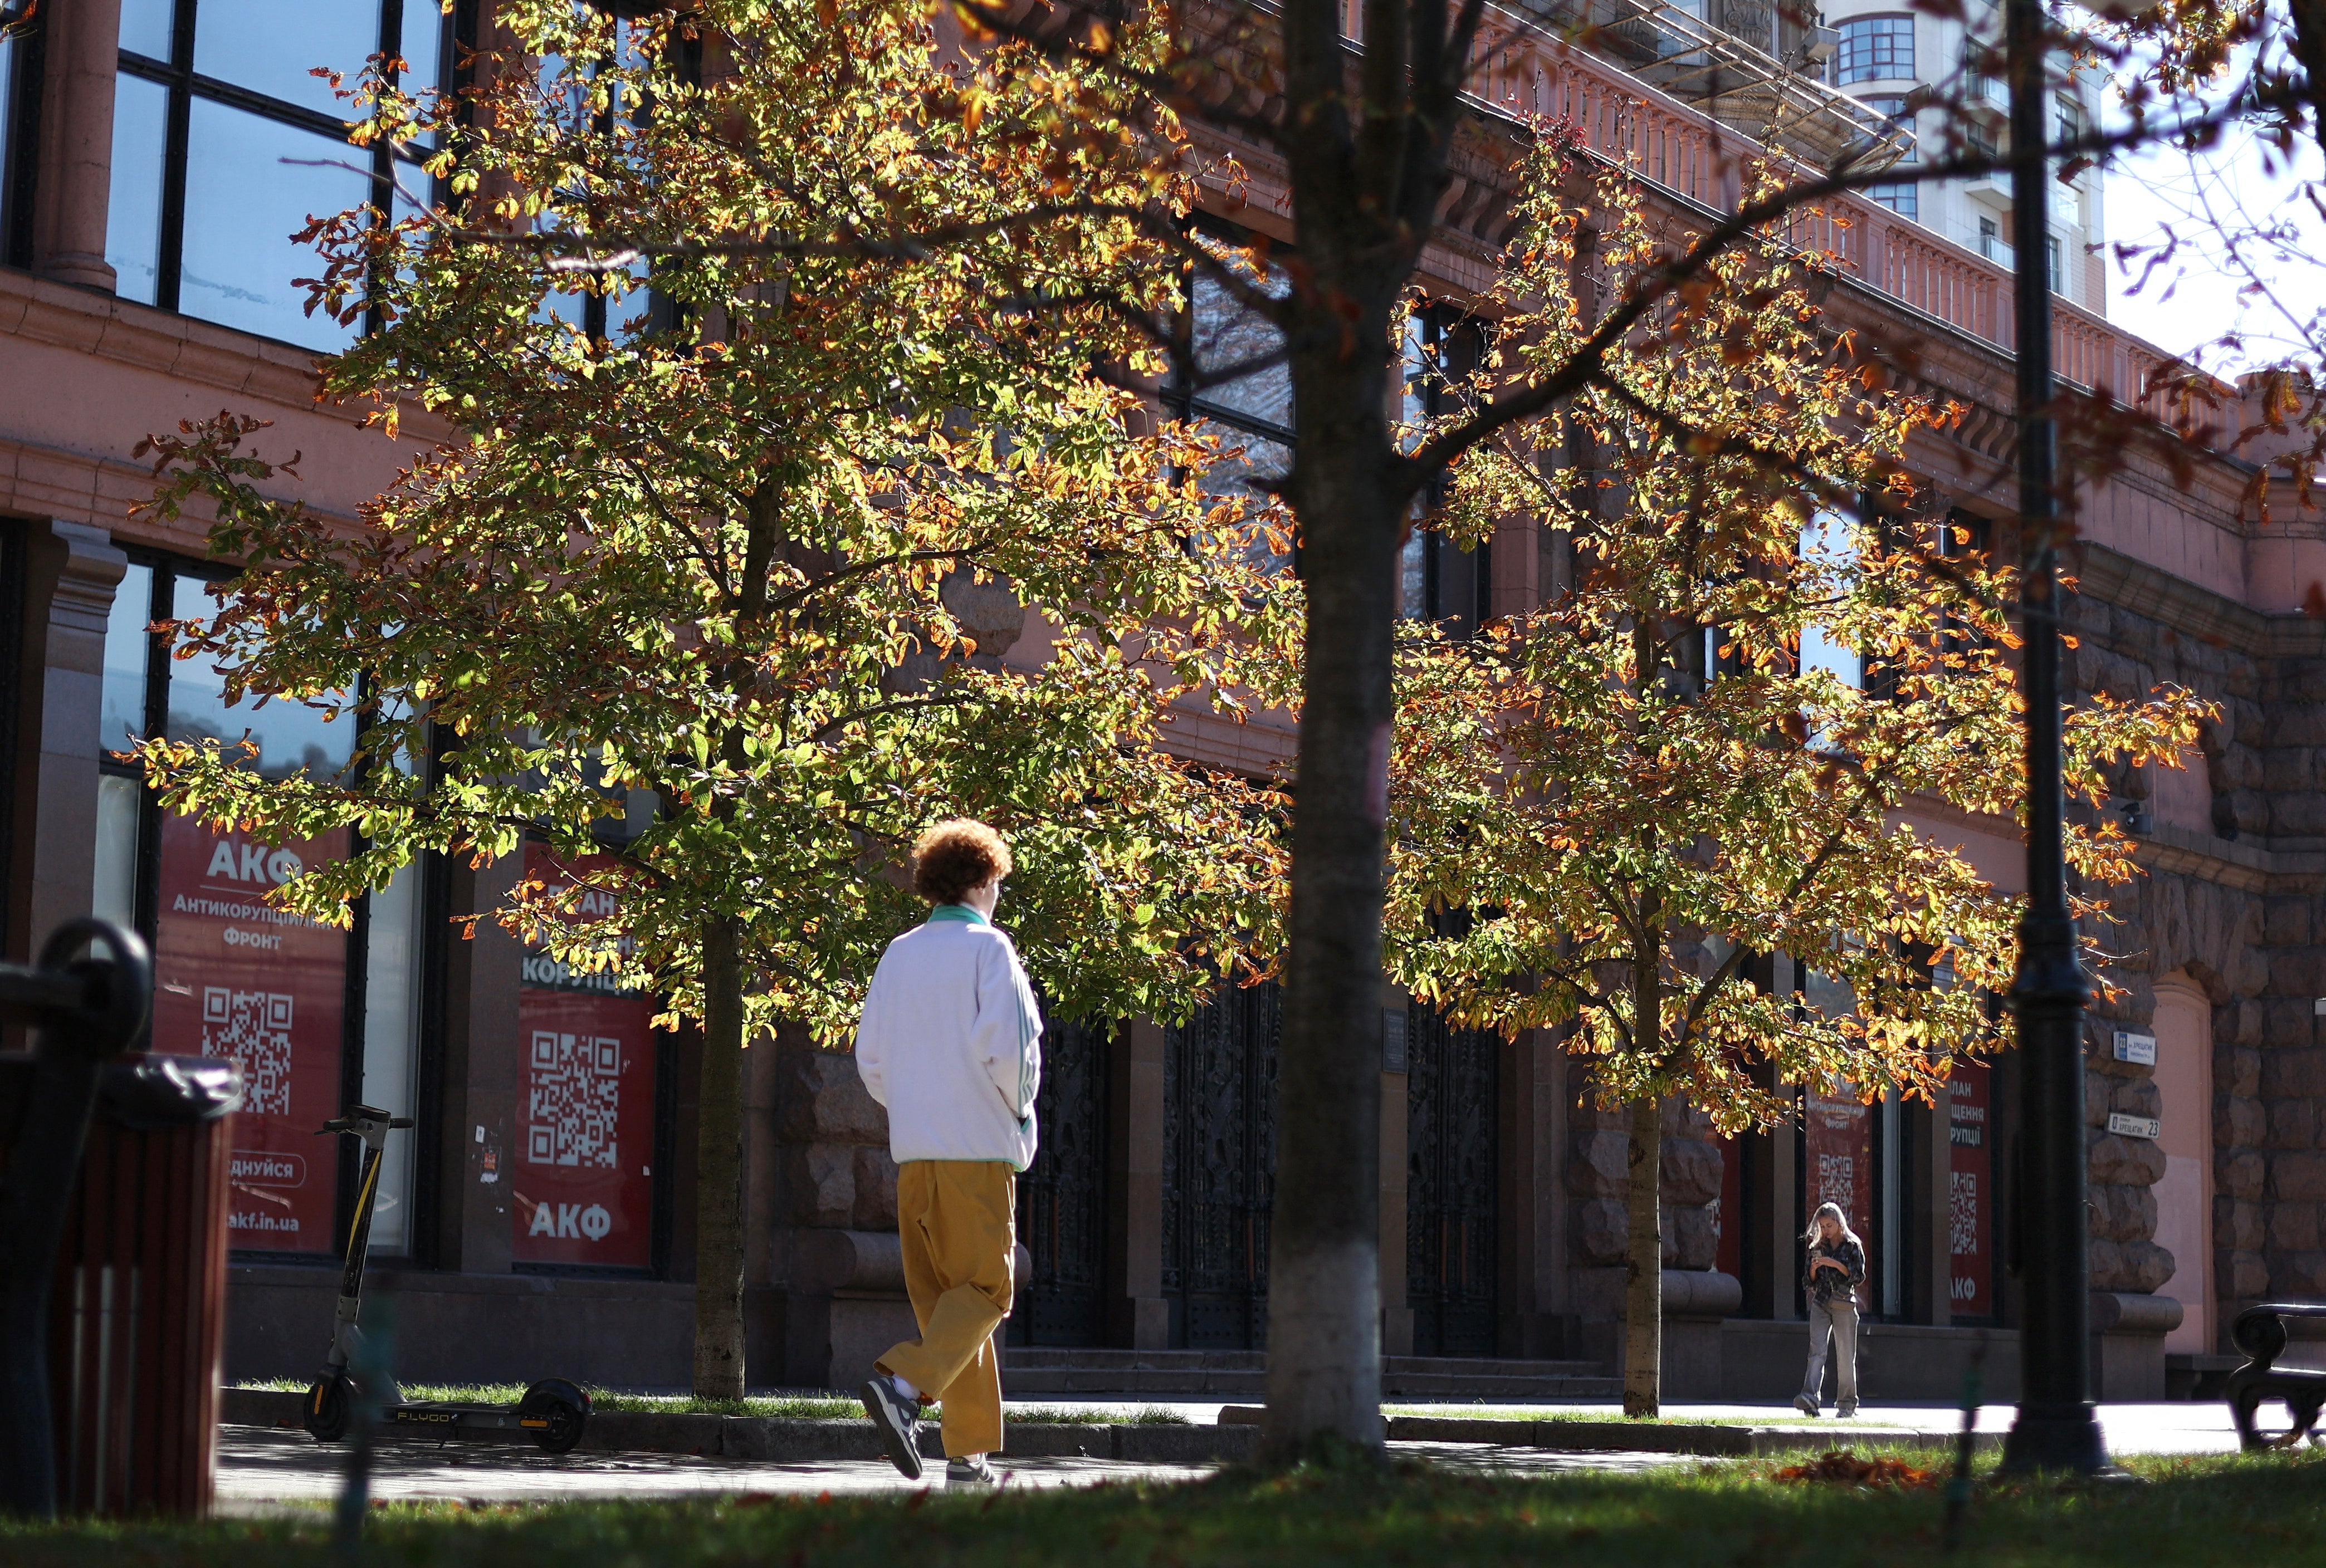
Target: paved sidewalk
[(2176, 1428), (264, 1471)]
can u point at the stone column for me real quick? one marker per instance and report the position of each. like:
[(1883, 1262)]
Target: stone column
[(1930, 1190), (1515, 567), (72, 571), (1138, 1318), (1784, 1235), (481, 1077), (83, 40)]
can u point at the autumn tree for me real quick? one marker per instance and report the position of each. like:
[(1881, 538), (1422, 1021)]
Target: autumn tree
[(1710, 748), (805, 542)]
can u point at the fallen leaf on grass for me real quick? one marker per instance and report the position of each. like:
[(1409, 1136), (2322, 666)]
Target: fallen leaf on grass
[(1841, 1467)]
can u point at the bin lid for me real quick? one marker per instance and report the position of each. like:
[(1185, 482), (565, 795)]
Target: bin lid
[(150, 1093)]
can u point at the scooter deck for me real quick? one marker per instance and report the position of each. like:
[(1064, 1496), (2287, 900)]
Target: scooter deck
[(429, 1413)]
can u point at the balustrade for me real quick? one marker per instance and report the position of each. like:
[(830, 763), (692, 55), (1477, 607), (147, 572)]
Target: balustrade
[(1531, 69)]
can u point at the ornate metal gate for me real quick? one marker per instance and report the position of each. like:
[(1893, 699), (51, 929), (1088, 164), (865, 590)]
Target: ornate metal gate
[(1062, 1196), (1219, 1168), (1452, 1142)]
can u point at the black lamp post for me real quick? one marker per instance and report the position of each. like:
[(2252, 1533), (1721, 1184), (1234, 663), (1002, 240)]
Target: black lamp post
[(2056, 1429)]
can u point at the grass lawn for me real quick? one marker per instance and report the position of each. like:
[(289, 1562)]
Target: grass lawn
[(2269, 1509), (798, 1406)]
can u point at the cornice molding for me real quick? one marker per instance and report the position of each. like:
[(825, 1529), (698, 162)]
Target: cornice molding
[(2128, 583), (89, 322)]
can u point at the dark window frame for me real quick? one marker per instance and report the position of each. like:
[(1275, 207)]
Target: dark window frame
[(1869, 51), (1442, 327), (1902, 196), (183, 84), (1184, 401), (167, 571), (662, 1201), (21, 70), (15, 541)]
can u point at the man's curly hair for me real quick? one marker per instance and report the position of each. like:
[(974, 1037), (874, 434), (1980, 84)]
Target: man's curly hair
[(955, 856)]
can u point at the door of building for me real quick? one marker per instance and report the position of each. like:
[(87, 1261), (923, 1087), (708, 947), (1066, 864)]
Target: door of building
[(1062, 1195), (1219, 1168), (1451, 1134)]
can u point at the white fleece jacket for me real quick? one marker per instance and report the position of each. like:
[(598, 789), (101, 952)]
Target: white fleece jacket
[(951, 1043)]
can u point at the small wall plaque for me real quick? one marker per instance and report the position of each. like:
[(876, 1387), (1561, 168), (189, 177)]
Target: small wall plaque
[(1392, 1040), (2136, 1048), (2134, 1127)]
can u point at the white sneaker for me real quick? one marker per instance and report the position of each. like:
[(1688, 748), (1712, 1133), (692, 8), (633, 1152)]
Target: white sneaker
[(1805, 1405), (971, 1470)]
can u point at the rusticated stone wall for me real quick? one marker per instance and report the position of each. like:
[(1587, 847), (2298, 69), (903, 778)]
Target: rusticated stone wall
[(835, 1139), (1599, 1185), (2236, 911)]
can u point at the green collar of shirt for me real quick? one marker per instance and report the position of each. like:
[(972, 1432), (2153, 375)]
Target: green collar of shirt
[(961, 912)]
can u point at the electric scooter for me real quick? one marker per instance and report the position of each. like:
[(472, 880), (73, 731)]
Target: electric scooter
[(553, 1411)]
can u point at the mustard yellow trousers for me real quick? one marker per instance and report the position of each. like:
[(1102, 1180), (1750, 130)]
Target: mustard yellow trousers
[(958, 1221)]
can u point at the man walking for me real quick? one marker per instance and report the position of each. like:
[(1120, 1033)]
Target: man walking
[(950, 1044)]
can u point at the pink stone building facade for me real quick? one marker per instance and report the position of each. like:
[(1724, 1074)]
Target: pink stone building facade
[(144, 279)]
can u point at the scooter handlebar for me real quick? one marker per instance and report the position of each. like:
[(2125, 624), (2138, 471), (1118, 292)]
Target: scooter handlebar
[(343, 1125)]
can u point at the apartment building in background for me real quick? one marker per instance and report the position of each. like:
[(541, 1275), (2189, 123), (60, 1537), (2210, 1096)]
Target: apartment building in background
[(154, 157)]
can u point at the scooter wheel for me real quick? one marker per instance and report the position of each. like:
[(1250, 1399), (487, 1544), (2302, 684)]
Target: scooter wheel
[(553, 1413), (329, 1401)]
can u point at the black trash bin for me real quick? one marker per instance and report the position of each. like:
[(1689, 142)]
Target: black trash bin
[(137, 1324), (113, 1180)]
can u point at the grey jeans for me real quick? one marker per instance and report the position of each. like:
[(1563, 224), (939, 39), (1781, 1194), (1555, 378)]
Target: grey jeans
[(1839, 1320)]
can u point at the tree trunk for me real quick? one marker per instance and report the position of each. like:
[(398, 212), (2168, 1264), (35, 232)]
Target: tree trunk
[(1323, 1285), (719, 1173), (1643, 1290), (718, 1142)]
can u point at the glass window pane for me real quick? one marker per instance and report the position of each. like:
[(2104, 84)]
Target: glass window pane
[(8, 56), (423, 45), (1413, 576), (121, 712), (1246, 456), (133, 216), (114, 895), (1876, 49), (291, 736), (1228, 332), (1826, 544), (145, 27), (269, 46), (235, 979), (242, 203), (581, 1173), (391, 1062)]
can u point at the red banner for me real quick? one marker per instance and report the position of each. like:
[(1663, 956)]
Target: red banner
[(583, 1174), (1840, 1163), (267, 990), (1970, 1189)]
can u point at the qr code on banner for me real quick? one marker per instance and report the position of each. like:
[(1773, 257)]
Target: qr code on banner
[(1962, 1213), (574, 1097), (1838, 1179), (253, 1030)]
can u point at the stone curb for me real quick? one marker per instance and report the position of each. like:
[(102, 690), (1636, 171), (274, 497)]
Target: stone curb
[(786, 1439), (1710, 1439)]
